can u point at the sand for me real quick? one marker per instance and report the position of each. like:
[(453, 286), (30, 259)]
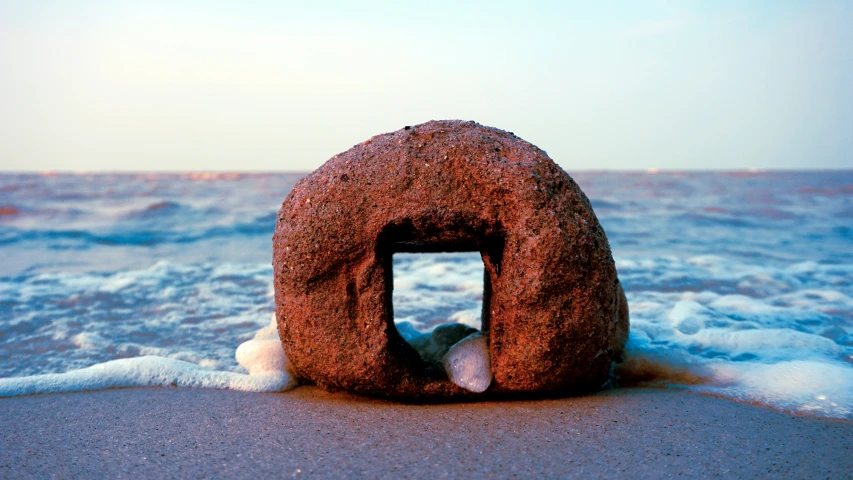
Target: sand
[(174, 432)]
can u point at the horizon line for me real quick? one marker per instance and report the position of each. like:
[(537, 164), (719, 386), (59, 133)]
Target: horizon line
[(650, 171)]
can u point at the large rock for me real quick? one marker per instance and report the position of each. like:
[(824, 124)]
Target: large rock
[(554, 314)]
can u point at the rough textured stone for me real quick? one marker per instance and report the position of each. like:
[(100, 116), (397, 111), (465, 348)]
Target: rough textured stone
[(553, 311)]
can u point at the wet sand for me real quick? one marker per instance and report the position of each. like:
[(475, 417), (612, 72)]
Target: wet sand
[(168, 433)]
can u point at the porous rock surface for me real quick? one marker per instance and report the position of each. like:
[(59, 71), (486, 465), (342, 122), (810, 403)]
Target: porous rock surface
[(554, 313)]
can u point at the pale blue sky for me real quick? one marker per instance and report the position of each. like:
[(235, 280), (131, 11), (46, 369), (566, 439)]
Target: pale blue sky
[(277, 85)]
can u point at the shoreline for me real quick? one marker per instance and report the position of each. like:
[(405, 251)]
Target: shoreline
[(178, 432)]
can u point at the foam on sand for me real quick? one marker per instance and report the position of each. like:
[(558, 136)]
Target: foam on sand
[(803, 386), (261, 356), (772, 337)]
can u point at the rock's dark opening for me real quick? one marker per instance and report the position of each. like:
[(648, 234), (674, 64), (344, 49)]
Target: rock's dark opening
[(437, 300)]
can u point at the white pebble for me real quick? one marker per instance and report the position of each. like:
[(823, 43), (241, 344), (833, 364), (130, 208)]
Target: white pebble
[(468, 365)]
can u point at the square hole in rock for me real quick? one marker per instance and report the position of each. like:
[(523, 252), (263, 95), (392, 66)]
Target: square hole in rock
[(438, 299)]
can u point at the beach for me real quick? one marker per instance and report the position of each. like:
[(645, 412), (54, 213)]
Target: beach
[(426, 240), (644, 433)]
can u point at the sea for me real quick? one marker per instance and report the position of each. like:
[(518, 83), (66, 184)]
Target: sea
[(740, 284)]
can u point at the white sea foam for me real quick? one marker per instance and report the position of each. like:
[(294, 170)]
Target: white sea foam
[(262, 356), (781, 342), (191, 312), (470, 317), (143, 372), (802, 386)]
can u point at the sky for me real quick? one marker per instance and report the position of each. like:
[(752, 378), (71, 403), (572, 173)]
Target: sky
[(283, 86)]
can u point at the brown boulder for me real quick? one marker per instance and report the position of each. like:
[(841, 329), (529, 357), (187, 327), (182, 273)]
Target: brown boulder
[(553, 310)]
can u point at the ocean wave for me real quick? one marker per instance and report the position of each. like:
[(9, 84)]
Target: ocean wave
[(143, 235), (191, 312), (262, 357)]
